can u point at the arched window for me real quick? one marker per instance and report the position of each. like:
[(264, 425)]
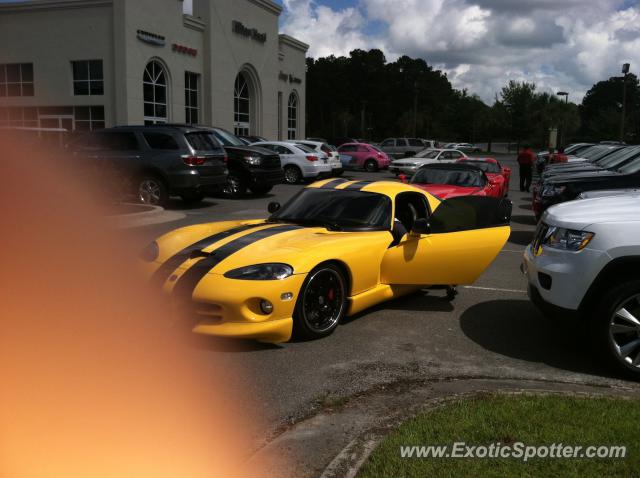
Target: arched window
[(155, 93), (292, 116), (241, 107)]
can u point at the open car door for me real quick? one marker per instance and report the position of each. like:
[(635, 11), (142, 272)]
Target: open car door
[(464, 236)]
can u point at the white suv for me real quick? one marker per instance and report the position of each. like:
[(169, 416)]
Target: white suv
[(585, 261)]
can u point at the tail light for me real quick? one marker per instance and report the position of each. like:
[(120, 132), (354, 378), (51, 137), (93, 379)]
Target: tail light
[(193, 160), (226, 159), (311, 157)]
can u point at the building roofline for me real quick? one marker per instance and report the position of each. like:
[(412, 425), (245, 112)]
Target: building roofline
[(51, 4), (293, 42), (269, 6)]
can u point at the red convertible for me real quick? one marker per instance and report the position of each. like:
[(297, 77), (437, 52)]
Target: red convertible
[(450, 180), (499, 175)]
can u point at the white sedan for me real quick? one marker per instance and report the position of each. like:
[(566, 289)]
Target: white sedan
[(298, 161), (330, 152), (428, 156)]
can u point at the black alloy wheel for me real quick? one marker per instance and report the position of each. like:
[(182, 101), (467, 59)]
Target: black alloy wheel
[(321, 303), (236, 186)]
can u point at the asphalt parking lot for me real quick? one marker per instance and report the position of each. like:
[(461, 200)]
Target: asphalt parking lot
[(489, 331)]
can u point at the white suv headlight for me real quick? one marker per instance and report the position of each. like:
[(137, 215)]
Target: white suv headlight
[(567, 239)]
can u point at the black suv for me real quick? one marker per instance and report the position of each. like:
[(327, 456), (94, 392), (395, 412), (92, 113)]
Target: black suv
[(158, 161), (250, 167)]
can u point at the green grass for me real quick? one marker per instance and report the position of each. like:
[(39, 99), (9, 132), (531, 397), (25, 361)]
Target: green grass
[(532, 420)]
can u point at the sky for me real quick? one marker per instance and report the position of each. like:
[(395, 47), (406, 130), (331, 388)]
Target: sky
[(561, 45)]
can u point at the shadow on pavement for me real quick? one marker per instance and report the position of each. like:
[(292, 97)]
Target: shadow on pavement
[(526, 220), (521, 238), (526, 206), (422, 301), (515, 329)]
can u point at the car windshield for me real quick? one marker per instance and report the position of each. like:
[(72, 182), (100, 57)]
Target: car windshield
[(428, 154), (486, 166), (632, 167), (577, 148), (597, 152), (226, 138), (452, 177), (619, 157), (337, 209)]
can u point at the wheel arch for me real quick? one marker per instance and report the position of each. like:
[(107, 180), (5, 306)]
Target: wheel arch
[(619, 268), (344, 268)]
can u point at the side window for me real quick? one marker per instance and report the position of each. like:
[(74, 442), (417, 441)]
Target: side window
[(161, 141), (445, 155), (401, 142), (270, 147), (455, 155), (388, 143), (118, 141), (362, 149), (348, 149), (409, 207), (416, 142), (283, 150)]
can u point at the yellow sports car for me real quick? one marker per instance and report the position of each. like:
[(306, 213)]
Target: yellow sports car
[(335, 249)]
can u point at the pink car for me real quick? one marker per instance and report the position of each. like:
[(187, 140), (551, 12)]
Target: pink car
[(363, 156)]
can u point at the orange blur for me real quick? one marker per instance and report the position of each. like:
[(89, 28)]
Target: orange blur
[(95, 379)]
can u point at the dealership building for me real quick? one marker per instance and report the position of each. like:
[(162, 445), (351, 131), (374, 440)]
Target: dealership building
[(86, 64)]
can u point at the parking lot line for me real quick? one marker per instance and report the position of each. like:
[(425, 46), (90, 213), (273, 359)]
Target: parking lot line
[(495, 289)]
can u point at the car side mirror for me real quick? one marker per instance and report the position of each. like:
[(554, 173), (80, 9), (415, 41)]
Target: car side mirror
[(421, 226), (273, 207)]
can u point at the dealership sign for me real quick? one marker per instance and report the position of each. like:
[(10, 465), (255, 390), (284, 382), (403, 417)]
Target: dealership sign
[(151, 38), (184, 49), (252, 33)]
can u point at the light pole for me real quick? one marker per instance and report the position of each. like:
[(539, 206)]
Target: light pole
[(625, 71), (566, 101)]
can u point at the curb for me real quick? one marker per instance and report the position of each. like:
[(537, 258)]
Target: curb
[(341, 439), (156, 215)]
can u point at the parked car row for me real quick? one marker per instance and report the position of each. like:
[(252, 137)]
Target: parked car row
[(159, 161), (598, 167)]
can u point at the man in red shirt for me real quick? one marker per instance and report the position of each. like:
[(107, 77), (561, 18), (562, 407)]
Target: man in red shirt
[(526, 159), (559, 157)]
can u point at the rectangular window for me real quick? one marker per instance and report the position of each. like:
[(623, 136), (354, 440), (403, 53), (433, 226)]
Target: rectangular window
[(16, 79), (89, 118), (88, 78), (191, 95)]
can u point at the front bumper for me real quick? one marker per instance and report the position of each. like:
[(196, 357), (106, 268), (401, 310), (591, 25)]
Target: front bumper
[(231, 308), (560, 278), (402, 169), (267, 176)]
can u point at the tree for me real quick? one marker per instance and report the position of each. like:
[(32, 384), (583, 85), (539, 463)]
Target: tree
[(601, 110)]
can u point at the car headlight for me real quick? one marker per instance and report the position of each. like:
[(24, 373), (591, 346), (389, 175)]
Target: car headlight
[(551, 191), (151, 252), (253, 160), (261, 272), (567, 239)]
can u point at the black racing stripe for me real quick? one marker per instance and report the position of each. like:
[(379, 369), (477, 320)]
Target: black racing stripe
[(170, 265), (189, 281), (358, 186), (333, 184)]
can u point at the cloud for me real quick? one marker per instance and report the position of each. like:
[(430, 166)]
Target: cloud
[(481, 44)]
